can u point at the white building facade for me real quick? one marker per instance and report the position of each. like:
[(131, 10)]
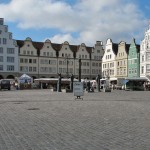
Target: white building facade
[(8, 53), (109, 60), (145, 55)]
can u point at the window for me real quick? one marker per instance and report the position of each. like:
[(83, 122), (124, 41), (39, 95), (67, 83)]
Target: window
[(34, 69), (142, 58), (4, 41), (34, 61), (108, 50), (1, 67), (1, 58), (148, 68), (148, 56), (30, 69), (10, 68), (129, 71), (21, 60), (60, 62), (124, 71), (10, 59), (1, 50), (30, 60), (28, 52), (44, 53), (26, 60), (10, 50), (142, 69)]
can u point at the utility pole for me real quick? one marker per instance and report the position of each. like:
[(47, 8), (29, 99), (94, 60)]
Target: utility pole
[(79, 70), (67, 66)]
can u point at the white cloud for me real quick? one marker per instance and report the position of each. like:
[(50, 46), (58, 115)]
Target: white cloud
[(61, 38), (91, 20)]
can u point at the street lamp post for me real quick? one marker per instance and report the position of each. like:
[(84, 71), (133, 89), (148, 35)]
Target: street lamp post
[(67, 62), (67, 67), (79, 70)]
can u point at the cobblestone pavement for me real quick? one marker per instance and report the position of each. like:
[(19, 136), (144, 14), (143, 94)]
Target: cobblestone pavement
[(45, 120)]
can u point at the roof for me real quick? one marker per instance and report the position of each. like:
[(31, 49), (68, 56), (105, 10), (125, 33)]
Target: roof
[(136, 78), (56, 47), (115, 48), (127, 48)]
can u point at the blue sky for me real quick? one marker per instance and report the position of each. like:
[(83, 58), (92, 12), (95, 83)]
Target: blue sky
[(76, 21)]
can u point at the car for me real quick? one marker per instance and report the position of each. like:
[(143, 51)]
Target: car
[(5, 84)]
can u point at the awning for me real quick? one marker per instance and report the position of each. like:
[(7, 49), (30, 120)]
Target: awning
[(113, 79), (137, 79)]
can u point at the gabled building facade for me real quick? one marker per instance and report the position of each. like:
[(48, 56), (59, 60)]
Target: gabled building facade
[(145, 55), (8, 53), (96, 59), (109, 60), (122, 60), (46, 59), (134, 60), (28, 57)]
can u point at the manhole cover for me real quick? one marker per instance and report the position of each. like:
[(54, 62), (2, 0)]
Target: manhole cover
[(33, 108), (18, 103)]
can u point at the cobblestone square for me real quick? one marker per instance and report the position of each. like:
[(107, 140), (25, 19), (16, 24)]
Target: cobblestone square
[(45, 120)]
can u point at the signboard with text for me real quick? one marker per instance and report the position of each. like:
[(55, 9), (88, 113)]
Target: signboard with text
[(78, 89)]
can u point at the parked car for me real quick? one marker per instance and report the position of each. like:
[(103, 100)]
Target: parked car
[(5, 84)]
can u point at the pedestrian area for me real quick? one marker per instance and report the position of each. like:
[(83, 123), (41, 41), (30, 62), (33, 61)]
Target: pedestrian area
[(46, 120)]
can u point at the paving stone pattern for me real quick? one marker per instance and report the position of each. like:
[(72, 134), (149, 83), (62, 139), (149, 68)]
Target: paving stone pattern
[(45, 120)]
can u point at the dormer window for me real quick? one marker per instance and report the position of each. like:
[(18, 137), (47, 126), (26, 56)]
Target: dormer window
[(108, 50)]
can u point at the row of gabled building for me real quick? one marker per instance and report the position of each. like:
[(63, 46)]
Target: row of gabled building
[(127, 61), (46, 59)]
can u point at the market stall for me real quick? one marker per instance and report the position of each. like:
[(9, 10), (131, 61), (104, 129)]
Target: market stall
[(25, 82)]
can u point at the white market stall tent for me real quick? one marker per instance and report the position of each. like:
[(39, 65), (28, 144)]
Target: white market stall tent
[(25, 82)]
